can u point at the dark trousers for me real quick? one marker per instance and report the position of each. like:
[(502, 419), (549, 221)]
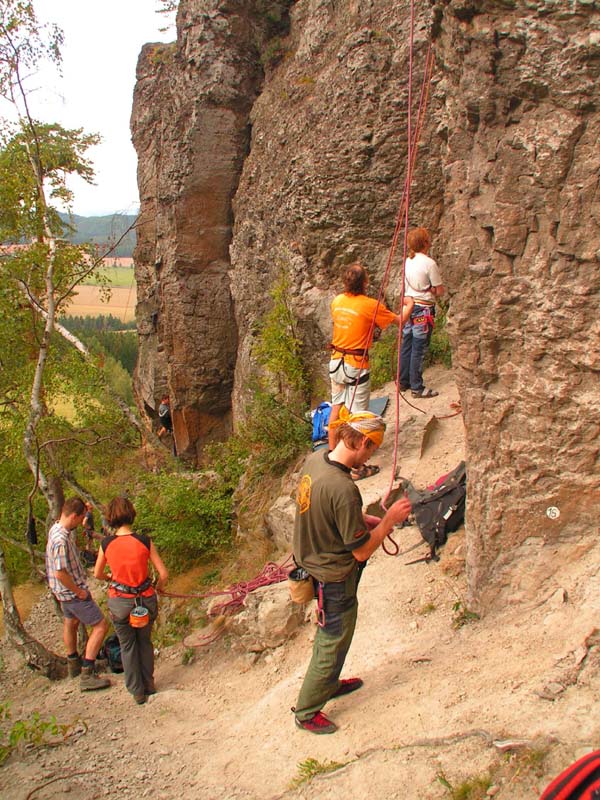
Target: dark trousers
[(331, 645), (137, 652)]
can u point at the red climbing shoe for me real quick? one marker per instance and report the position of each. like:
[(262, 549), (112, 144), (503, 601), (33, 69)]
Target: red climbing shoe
[(348, 685), (317, 724)]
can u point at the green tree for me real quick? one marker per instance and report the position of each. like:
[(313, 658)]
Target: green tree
[(40, 361)]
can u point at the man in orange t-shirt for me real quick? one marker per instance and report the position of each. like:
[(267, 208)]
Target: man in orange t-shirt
[(353, 313)]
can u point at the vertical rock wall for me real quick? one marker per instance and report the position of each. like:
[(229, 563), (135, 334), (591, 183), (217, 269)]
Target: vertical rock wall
[(521, 241), (190, 130), (245, 175), (323, 180)]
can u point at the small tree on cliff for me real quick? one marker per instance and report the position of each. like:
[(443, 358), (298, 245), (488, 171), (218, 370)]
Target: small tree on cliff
[(39, 360)]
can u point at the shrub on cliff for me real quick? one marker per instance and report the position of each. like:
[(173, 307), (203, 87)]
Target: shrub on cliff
[(187, 520)]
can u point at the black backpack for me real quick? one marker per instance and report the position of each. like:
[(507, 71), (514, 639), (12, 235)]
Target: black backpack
[(111, 651), (439, 509)]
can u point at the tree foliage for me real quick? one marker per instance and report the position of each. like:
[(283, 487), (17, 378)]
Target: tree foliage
[(186, 521), (55, 403)]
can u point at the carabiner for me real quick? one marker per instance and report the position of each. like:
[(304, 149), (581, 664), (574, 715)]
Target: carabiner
[(320, 606)]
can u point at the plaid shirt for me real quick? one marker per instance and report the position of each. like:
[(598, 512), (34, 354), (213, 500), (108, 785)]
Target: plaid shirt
[(62, 553)]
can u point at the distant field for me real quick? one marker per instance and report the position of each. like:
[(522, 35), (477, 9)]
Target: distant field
[(119, 276), (87, 302)]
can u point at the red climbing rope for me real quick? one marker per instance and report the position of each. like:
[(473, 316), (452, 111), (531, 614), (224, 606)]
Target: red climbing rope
[(270, 573)]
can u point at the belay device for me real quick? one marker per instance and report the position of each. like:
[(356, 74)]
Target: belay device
[(439, 509)]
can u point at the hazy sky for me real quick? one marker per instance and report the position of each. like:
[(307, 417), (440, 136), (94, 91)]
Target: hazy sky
[(102, 44)]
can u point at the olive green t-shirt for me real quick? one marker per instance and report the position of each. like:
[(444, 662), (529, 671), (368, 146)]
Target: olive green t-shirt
[(329, 522)]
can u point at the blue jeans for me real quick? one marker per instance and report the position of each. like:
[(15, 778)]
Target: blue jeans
[(415, 341)]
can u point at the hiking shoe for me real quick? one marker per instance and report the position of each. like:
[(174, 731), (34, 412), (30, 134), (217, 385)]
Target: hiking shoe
[(317, 724), (140, 699), (74, 666), (100, 665), (89, 681), (425, 393), (348, 685)]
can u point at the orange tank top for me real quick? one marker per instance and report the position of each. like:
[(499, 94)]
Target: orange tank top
[(128, 556)]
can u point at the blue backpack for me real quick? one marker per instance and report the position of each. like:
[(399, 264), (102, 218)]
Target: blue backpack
[(320, 419)]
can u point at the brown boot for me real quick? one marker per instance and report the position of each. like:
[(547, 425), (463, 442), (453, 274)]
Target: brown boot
[(74, 666), (89, 681)]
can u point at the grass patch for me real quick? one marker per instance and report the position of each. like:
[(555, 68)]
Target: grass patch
[(172, 630), (470, 789), (428, 608), (439, 351), (187, 519), (310, 767), (520, 769), (462, 615), (32, 732)]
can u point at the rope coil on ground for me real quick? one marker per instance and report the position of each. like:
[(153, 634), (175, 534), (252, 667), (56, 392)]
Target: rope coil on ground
[(270, 574)]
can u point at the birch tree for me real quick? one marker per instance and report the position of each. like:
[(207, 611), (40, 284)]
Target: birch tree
[(40, 271)]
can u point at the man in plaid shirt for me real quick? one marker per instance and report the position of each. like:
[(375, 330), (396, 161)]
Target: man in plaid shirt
[(68, 583)]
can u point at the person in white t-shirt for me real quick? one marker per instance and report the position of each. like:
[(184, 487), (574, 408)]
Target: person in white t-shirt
[(423, 283)]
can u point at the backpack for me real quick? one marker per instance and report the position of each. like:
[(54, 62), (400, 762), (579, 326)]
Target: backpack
[(111, 651), (320, 419), (440, 509), (580, 781)]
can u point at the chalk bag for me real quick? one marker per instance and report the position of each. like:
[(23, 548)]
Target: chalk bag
[(301, 586), (139, 616)]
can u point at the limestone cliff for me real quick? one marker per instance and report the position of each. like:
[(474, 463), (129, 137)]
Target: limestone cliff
[(190, 127), (520, 238), (266, 149)]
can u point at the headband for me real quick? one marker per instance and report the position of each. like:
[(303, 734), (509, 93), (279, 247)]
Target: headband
[(370, 425)]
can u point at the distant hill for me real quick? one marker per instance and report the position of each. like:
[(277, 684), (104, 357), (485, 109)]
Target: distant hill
[(102, 231)]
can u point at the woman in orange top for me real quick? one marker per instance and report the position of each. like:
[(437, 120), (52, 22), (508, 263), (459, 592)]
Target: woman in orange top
[(127, 555)]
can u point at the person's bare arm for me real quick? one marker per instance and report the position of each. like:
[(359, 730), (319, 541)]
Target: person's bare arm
[(67, 581), (396, 513), (437, 291), (407, 308), (157, 563), (100, 565)]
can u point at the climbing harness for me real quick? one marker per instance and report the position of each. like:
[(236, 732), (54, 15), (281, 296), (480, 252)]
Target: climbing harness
[(136, 590), (358, 351)]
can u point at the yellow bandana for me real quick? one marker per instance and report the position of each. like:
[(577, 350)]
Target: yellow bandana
[(370, 425)]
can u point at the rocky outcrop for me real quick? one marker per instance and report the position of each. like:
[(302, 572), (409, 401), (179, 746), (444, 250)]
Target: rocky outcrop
[(268, 619), (288, 157), (191, 132), (519, 241), (324, 177)]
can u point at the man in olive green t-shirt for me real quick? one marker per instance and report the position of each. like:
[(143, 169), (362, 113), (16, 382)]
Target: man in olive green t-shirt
[(332, 542)]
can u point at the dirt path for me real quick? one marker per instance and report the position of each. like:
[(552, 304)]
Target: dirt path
[(435, 698)]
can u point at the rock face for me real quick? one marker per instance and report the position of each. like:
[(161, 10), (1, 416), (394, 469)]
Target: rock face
[(262, 155), (268, 620), (520, 238), (191, 132)]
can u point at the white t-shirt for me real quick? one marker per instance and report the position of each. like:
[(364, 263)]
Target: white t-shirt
[(420, 274)]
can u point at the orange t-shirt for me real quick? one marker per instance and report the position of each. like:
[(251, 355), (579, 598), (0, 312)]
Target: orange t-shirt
[(352, 317), (128, 556)]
